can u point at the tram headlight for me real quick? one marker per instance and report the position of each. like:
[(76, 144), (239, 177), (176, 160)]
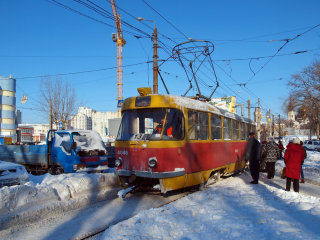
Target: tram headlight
[(118, 162), (152, 162)]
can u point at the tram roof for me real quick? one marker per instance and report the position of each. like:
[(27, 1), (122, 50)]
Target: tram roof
[(186, 102), (206, 106)]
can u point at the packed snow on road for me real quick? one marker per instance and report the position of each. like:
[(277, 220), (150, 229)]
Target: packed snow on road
[(229, 209)]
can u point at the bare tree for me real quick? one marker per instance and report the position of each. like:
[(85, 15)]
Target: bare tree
[(62, 98), (305, 90), (290, 104)]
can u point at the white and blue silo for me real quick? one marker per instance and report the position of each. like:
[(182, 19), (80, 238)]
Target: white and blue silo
[(8, 124)]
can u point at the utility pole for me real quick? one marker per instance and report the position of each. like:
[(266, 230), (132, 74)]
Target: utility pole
[(269, 121), (155, 60), (155, 54), (249, 111), (259, 121), (242, 108), (272, 124), (279, 127)]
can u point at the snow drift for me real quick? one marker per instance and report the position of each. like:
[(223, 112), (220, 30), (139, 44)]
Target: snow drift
[(43, 194)]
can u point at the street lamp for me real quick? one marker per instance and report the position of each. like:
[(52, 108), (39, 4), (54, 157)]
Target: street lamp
[(155, 54)]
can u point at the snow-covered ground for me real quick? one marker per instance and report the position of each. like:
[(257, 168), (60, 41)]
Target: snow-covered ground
[(234, 209), (229, 209), (52, 194)]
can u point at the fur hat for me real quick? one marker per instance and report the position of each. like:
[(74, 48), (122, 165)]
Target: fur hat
[(296, 140)]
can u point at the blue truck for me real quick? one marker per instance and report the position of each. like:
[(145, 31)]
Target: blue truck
[(65, 151)]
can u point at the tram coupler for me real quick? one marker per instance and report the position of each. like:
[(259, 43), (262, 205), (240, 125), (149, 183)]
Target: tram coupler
[(123, 193)]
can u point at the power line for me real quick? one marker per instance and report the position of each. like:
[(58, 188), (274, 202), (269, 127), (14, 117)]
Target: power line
[(286, 42), (103, 13), (165, 19), (261, 36), (261, 57), (81, 72), (78, 12), (101, 56)]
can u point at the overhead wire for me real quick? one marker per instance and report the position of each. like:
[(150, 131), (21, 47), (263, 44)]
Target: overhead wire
[(81, 72), (78, 12), (103, 13), (164, 45), (165, 19), (262, 36), (286, 42)]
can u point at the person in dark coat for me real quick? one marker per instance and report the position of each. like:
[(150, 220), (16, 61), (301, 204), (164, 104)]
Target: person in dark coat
[(253, 152), (272, 153), (293, 159)]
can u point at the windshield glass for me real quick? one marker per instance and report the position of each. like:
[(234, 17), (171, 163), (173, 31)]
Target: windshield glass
[(62, 140), (151, 124), (88, 140)]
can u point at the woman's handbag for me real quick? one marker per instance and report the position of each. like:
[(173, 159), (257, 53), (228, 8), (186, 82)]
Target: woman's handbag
[(282, 172)]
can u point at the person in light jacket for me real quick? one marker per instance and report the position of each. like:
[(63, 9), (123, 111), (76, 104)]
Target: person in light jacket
[(293, 159)]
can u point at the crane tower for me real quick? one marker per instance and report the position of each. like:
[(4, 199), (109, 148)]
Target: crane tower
[(118, 38)]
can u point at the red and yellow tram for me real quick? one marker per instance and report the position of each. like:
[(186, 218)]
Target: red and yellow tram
[(177, 142)]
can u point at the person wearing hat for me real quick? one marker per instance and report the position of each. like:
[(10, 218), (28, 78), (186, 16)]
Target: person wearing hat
[(253, 152), (293, 159), (271, 152)]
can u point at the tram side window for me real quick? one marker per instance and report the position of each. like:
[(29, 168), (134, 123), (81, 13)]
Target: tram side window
[(235, 128), (227, 129), (242, 131), (215, 127), (170, 125), (198, 125)]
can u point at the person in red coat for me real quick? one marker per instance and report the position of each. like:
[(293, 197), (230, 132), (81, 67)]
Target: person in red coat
[(293, 158)]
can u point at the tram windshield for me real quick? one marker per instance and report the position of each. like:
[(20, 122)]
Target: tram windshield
[(151, 124)]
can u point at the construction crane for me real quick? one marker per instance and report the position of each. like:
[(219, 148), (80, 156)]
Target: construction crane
[(118, 38)]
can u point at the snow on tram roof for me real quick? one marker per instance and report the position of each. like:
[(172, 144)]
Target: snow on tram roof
[(205, 106)]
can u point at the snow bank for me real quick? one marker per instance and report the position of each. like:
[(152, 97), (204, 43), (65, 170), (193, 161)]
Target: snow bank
[(234, 209), (49, 193)]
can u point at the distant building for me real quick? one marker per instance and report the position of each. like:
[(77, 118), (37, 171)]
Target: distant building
[(19, 117), (257, 115), (25, 134), (100, 122), (40, 132), (291, 116), (83, 119), (8, 123), (89, 119), (33, 132)]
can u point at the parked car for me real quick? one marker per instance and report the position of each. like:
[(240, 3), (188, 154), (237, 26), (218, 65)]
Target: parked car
[(313, 145), (12, 174)]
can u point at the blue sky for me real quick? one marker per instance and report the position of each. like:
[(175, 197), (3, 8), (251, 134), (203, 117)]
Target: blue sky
[(39, 38)]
